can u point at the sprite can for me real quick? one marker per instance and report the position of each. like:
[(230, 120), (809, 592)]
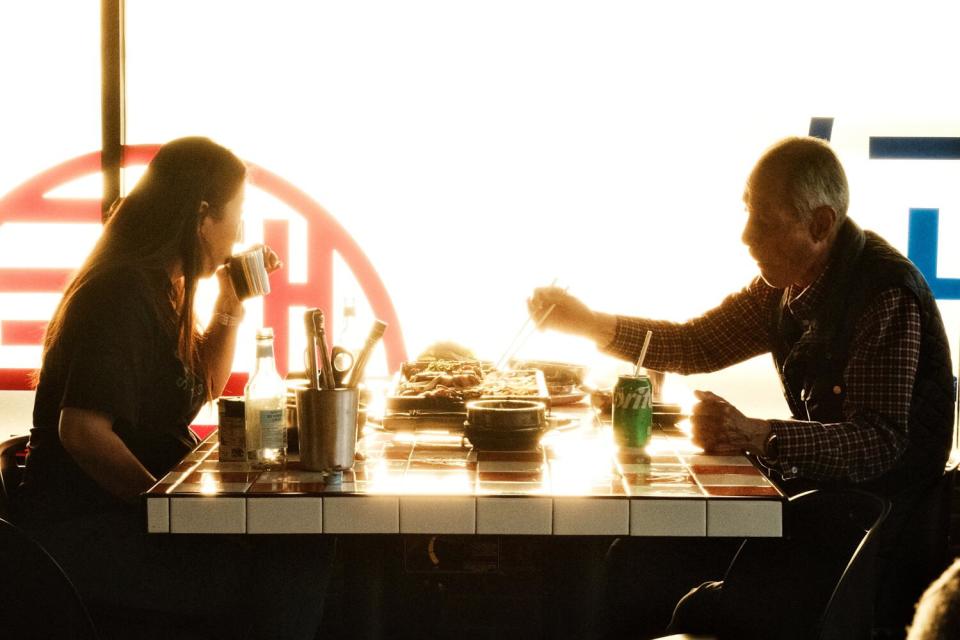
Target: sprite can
[(632, 411)]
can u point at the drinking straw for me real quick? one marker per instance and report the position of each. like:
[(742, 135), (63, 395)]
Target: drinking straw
[(643, 352)]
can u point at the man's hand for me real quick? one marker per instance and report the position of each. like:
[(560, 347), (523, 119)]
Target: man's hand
[(720, 428), (569, 315)]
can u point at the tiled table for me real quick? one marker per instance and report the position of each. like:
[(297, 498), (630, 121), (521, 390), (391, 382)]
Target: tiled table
[(577, 484)]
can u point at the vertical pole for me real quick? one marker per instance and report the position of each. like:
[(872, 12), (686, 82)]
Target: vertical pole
[(112, 98)]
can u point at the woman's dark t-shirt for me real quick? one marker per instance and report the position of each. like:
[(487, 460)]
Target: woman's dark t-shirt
[(114, 356)]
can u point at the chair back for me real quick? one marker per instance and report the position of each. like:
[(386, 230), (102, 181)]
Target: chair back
[(11, 468), (915, 549), (37, 600), (816, 583), (849, 611)]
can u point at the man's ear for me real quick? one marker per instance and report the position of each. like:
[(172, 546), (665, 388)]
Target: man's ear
[(822, 220)]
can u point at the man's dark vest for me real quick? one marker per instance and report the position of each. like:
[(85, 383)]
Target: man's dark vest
[(811, 361)]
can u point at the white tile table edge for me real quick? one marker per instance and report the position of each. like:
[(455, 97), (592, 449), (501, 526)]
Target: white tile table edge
[(221, 514), (673, 517), (497, 515), (744, 517), (722, 516)]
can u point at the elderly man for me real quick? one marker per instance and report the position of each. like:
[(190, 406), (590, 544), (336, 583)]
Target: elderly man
[(853, 328)]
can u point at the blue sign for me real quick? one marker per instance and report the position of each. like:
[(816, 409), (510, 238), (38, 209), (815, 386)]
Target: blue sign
[(924, 230)]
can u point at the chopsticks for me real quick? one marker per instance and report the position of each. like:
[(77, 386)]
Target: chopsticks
[(520, 339)]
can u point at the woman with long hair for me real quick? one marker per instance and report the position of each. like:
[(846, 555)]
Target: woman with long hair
[(125, 370)]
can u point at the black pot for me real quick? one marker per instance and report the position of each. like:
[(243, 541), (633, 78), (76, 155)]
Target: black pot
[(506, 415), (505, 425), (482, 439)]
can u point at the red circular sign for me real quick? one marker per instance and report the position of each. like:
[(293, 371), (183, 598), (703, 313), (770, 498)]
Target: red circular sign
[(325, 236)]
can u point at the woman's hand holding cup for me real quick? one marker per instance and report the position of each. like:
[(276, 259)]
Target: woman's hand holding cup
[(244, 275)]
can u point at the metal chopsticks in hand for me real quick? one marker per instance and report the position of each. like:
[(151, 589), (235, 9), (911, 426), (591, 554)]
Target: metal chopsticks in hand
[(523, 334)]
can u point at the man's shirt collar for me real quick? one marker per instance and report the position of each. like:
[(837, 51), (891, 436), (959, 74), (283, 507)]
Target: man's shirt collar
[(803, 303)]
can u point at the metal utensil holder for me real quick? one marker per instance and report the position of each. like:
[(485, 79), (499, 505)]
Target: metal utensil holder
[(327, 425)]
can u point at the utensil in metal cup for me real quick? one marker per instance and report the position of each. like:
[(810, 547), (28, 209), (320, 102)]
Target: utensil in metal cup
[(248, 272), (342, 361), (327, 424)]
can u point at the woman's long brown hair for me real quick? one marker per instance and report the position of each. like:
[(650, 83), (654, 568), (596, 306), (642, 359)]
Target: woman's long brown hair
[(156, 227)]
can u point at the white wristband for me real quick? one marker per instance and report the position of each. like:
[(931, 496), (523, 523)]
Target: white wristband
[(227, 320)]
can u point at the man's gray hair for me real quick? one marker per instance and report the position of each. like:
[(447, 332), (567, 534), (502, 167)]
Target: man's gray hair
[(810, 172)]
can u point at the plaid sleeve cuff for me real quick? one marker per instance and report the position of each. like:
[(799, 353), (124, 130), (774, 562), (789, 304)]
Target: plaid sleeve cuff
[(794, 439)]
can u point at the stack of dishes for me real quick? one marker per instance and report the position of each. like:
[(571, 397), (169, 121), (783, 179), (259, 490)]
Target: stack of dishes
[(666, 415)]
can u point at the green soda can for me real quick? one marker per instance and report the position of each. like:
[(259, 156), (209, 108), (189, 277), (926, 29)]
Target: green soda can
[(632, 411)]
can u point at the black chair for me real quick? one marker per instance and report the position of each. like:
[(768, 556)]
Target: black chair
[(35, 587), (37, 599), (12, 458), (817, 583), (914, 555)]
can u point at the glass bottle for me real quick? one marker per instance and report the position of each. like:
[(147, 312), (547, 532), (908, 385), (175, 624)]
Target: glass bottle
[(265, 399), (346, 328)]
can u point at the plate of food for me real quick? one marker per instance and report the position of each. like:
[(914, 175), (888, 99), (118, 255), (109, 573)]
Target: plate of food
[(437, 385), (563, 379), (436, 391)]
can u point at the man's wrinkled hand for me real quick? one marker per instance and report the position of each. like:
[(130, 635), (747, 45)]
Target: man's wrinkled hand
[(720, 428), (554, 308)]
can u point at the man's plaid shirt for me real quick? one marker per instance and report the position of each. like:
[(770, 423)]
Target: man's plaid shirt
[(879, 375)]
